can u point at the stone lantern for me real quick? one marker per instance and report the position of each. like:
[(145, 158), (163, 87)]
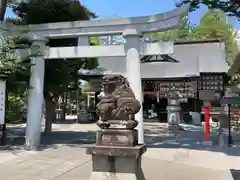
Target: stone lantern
[(85, 110), (173, 110)]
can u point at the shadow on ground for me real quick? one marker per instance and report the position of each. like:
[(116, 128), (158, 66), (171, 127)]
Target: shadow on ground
[(16, 137), (157, 136), (53, 140), (73, 121), (69, 121)]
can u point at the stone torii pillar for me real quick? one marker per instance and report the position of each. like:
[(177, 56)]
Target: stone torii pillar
[(132, 50), (35, 97)]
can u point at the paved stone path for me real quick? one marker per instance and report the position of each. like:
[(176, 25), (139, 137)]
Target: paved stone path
[(70, 163), (167, 158)]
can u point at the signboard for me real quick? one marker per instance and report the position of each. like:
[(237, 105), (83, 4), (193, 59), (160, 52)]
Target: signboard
[(231, 100), (2, 101), (206, 95)]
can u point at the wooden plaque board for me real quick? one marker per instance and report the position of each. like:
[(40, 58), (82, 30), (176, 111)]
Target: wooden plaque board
[(231, 100), (206, 95)]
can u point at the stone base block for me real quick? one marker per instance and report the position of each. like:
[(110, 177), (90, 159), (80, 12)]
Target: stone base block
[(116, 163), (117, 137), (196, 118), (117, 124), (82, 119), (172, 128)]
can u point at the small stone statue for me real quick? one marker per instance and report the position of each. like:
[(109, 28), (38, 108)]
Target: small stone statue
[(118, 104)]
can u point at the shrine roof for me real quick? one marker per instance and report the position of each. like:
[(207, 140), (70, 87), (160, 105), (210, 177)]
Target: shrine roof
[(191, 59)]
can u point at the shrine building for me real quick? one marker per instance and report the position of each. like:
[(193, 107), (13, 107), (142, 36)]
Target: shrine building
[(196, 68)]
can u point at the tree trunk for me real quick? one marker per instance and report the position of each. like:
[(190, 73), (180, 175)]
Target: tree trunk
[(3, 5), (50, 115)]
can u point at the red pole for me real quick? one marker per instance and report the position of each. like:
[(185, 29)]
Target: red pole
[(207, 123), (207, 117)]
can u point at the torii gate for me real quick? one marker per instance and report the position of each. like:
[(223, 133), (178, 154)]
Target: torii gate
[(131, 29)]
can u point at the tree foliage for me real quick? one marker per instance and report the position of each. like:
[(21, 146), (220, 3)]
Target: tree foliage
[(42, 11), (16, 107), (214, 25), (16, 73), (183, 32), (14, 70), (231, 7)]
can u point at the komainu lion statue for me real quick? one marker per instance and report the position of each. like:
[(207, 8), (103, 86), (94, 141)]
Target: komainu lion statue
[(118, 101)]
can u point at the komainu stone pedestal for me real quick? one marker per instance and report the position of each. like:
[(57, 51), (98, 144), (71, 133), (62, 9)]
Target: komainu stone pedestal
[(116, 163), (117, 154)]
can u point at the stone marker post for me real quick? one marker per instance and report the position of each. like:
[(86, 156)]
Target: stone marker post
[(117, 154)]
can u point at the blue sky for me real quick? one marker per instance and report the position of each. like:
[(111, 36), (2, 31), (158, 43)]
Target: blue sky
[(129, 8)]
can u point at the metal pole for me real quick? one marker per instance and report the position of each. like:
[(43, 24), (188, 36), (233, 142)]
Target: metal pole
[(3, 138), (229, 126), (77, 98)]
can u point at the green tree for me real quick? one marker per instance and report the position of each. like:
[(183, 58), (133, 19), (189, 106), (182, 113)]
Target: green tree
[(59, 73), (182, 32), (15, 71), (231, 7), (41, 11), (214, 25)]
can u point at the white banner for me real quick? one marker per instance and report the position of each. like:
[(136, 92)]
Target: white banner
[(2, 101)]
